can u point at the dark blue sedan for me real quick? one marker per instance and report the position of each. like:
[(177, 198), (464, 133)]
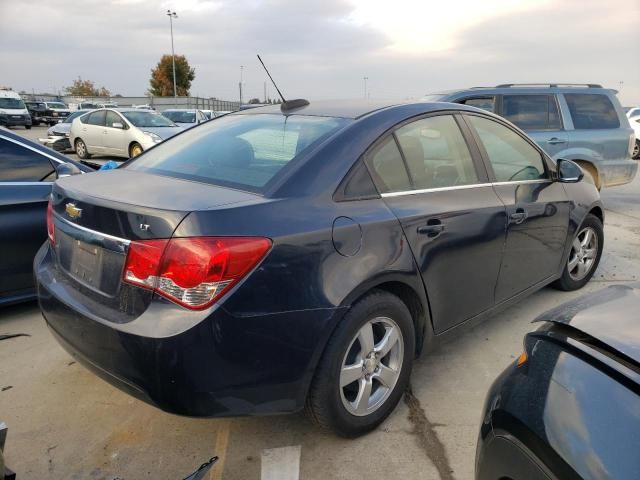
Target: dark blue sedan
[(278, 258)]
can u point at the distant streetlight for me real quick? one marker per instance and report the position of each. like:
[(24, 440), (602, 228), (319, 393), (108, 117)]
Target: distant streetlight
[(172, 15), (240, 84), (365, 86)]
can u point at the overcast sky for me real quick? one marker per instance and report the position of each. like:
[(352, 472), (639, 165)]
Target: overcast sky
[(323, 49)]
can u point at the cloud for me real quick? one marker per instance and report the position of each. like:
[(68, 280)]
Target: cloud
[(321, 49)]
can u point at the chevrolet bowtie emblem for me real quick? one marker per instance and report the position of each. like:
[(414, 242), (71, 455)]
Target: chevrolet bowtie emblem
[(72, 210)]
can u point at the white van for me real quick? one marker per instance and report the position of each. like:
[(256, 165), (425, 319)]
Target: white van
[(13, 110)]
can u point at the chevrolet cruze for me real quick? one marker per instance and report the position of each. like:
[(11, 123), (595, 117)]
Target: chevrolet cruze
[(302, 256)]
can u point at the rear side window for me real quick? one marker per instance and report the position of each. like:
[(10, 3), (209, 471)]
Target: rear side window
[(19, 164), (485, 103), (242, 151), (436, 153), (591, 111), (96, 118), (387, 168), (532, 112), (512, 158)]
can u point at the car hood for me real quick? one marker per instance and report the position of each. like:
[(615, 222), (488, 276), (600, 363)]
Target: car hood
[(61, 128), (162, 132), (609, 315)]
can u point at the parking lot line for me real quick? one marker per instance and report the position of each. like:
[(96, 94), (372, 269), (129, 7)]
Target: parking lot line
[(222, 441), (281, 463)]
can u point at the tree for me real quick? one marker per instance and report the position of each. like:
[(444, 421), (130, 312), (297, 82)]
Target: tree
[(254, 101), (86, 88), (162, 77)]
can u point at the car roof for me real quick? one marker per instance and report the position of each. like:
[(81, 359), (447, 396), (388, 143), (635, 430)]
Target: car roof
[(52, 154), (9, 94), (527, 88), (353, 109), (609, 315)]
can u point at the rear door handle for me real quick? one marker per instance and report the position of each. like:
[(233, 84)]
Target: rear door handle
[(432, 229), (555, 141), (518, 217)]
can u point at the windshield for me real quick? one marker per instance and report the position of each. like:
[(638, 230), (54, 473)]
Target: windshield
[(241, 151), (147, 119), (12, 103), (182, 117), (56, 105)]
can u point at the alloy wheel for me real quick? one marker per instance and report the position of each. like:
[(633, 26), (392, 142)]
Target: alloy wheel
[(636, 150), (371, 366), (80, 149), (584, 251)]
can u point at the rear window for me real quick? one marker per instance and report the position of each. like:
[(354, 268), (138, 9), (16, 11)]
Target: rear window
[(241, 151), (591, 111), (532, 112)]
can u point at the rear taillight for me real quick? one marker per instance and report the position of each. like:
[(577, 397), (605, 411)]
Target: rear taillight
[(193, 272), (51, 230)]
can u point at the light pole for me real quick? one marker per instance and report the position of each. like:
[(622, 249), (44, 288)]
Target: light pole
[(240, 84), (172, 15), (365, 86)]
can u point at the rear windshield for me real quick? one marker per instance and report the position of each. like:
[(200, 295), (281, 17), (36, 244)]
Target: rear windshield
[(182, 117), (241, 151)]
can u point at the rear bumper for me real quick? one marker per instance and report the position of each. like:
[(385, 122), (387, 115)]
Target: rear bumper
[(222, 366)]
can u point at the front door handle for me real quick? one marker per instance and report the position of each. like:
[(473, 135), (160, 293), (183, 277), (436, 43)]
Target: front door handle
[(518, 217), (555, 141), (432, 229)]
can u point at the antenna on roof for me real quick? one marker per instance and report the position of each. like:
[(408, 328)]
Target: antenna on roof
[(286, 105)]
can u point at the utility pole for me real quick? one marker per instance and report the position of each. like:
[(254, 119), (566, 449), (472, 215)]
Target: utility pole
[(171, 14), (240, 84), (265, 92), (365, 86)]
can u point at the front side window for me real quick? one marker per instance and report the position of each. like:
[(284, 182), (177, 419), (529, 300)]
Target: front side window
[(436, 153), (591, 111), (19, 164), (387, 168), (113, 117), (532, 112), (241, 151), (485, 103), (511, 157)]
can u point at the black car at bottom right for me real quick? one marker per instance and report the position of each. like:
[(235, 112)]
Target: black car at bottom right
[(569, 406)]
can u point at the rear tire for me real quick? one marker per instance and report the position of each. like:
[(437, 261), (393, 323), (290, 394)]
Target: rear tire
[(586, 250), (81, 149), (636, 151), (354, 390), (28, 127)]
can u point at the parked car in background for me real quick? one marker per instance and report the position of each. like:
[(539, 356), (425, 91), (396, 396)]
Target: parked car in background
[(632, 111), (215, 113), (13, 111), (94, 105), (583, 123), (27, 172), (635, 124), (47, 112), (343, 236), (185, 117), (568, 407), (58, 135), (124, 132)]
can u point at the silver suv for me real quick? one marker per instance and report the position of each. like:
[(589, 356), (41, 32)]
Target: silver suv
[(583, 123)]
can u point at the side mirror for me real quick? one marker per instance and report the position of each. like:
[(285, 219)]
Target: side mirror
[(67, 169), (569, 171), (117, 125)]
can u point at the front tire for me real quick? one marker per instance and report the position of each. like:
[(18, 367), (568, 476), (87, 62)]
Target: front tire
[(584, 257), (365, 367), (81, 149), (28, 127), (135, 149)]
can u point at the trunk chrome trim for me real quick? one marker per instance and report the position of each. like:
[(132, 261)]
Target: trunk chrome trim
[(99, 235)]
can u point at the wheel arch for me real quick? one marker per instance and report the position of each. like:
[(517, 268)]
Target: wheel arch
[(592, 169), (131, 144), (598, 212)]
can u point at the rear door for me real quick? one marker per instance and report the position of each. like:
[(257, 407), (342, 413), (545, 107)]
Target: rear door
[(537, 207), (452, 219), (539, 116), (26, 177), (92, 131)]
